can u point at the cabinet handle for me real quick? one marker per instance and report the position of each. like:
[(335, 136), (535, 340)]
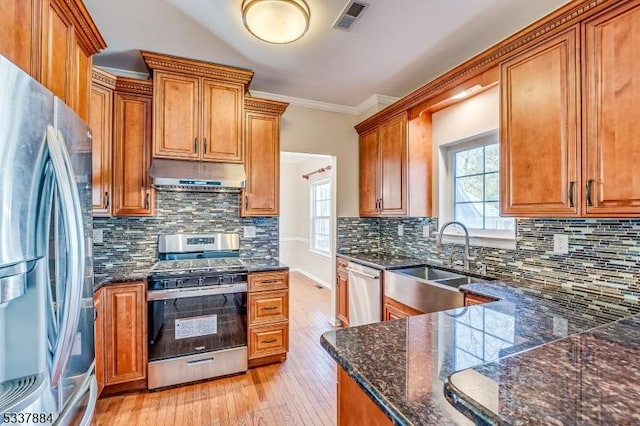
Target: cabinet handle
[(270, 341), (269, 308), (205, 145), (571, 185), (589, 184), (146, 201), (195, 145), (246, 202), (270, 281), (106, 200)]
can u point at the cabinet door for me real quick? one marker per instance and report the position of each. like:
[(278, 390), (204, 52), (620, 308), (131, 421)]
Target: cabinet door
[(261, 197), (125, 318), (18, 33), (369, 162), (540, 143), (393, 166), (132, 192), (222, 109), (81, 84), (100, 122), (343, 297), (58, 44), (612, 146), (99, 338), (176, 116)]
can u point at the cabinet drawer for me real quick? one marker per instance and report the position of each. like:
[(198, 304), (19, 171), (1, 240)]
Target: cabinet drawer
[(269, 281), (268, 307), (341, 265), (268, 340)]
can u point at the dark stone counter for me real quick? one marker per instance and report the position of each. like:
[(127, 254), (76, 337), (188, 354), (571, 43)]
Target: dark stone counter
[(382, 260), (402, 365), (125, 276), (264, 265)]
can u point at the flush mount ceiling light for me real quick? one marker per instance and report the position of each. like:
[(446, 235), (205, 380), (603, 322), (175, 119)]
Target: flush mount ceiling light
[(276, 21)]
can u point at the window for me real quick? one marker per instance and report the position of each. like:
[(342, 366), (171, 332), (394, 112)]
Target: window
[(321, 217), (473, 187)]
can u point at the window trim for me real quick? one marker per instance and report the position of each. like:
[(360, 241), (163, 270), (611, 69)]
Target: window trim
[(480, 237), (312, 216)]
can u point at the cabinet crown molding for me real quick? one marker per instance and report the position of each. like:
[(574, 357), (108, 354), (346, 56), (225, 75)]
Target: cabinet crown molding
[(267, 106), (570, 14), (92, 40), (103, 78), (132, 85), (158, 61)]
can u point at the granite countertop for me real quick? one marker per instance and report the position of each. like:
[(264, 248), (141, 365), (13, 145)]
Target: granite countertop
[(264, 265), (403, 365), (382, 260), (591, 378)]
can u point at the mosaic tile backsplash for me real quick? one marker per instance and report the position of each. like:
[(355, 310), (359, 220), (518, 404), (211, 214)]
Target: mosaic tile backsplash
[(132, 243), (603, 263)]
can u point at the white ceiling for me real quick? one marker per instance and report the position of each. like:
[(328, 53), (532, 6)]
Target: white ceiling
[(397, 46)]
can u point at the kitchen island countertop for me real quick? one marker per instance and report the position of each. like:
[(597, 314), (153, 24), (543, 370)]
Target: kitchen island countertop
[(402, 365)]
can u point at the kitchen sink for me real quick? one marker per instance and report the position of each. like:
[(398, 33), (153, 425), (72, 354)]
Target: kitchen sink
[(425, 288), (428, 273)]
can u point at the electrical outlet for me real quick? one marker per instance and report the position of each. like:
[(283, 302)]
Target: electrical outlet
[(425, 231), (249, 231), (400, 230), (560, 244), (483, 269), (98, 236), (560, 326)]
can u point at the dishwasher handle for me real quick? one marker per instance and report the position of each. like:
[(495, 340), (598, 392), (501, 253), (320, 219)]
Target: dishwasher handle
[(364, 274)]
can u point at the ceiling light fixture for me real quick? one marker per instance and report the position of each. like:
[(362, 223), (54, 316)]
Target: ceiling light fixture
[(276, 21)]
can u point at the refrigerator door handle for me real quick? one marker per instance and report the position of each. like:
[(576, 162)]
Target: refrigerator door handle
[(89, 384), (72, 220)]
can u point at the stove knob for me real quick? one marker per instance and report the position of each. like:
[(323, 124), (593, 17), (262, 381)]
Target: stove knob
[(233, 278), (179, 282), (165, 283), (200, 281)]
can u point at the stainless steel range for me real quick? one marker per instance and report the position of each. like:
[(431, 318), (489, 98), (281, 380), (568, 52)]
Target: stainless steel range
[(197, 309)]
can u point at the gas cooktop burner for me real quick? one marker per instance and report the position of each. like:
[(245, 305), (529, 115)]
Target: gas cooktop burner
[(198, 265)]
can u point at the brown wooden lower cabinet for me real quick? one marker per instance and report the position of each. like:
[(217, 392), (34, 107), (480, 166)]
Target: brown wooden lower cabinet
[(342, 291), (354, 406), (121, 334), (393, 309), (474, 299), (268, 317)]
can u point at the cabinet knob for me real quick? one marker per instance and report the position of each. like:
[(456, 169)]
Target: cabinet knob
[(106, 200)]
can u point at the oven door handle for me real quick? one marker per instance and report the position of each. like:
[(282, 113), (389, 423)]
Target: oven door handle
[(181, 293)]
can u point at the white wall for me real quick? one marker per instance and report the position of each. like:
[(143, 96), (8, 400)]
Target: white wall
[(478, 114), (295, 205)]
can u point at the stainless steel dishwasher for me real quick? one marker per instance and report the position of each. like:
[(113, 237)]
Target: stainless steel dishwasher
[(365, 295)]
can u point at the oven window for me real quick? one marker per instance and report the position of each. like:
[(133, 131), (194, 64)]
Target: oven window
[(191, 325)]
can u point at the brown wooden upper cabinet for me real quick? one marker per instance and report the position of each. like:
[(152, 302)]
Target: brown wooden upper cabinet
[(197, 109), (101, 123), (133, 194), (570, 141), (261, 197), (53, 40), (383, 168)]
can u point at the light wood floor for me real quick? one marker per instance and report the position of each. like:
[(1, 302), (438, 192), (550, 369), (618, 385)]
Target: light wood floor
[(300, 391)]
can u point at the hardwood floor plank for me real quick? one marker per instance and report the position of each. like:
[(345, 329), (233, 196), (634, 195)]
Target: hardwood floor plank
[(301, 391)]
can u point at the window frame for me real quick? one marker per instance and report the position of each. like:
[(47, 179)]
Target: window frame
[(313, 216), (481, 237)]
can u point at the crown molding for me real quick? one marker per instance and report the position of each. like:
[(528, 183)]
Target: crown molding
[(326, 106)]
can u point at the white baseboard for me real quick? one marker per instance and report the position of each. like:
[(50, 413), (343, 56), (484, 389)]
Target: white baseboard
[(311, 276)]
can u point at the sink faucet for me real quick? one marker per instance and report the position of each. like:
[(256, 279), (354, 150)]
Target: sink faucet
[(466, 257)]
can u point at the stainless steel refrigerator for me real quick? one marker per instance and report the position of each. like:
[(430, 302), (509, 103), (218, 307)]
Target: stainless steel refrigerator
[(47, 371)]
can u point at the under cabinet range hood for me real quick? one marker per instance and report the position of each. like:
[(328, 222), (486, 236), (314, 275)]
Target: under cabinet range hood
[(196, 175)]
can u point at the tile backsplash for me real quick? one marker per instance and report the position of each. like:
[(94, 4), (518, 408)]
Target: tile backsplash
[(603, 262), (132, 243)]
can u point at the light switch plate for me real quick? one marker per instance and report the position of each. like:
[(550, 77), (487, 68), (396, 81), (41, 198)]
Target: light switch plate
[(400, 230), (425, 231), (249, 231), (560, 326), (98, 236), (560, 244)]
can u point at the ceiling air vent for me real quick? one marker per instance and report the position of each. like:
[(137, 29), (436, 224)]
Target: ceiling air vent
[(350, 14)]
